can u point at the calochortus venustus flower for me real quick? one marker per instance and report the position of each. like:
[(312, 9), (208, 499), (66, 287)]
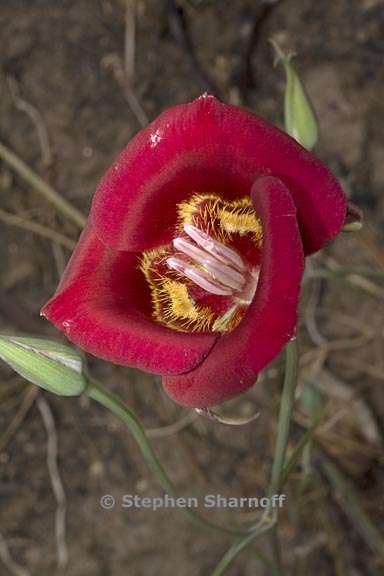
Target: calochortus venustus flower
[(191, 262)]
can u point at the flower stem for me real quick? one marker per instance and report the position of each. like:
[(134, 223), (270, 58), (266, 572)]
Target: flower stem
[(285, 416), (270, 526), (109, 400), (238, 546)]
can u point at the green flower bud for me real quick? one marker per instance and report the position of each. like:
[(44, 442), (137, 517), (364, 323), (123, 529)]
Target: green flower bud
[(50, 365), (299, 116)]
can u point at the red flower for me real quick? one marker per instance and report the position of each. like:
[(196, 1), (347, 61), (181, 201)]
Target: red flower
[(191, 263)]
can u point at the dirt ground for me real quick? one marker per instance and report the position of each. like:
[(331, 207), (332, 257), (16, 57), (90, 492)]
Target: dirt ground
[(66, 110)]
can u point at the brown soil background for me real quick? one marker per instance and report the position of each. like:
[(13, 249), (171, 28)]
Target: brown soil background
[(61, 58)]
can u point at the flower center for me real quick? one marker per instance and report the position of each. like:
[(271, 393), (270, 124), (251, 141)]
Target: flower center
[(213, 266), (207, 277)]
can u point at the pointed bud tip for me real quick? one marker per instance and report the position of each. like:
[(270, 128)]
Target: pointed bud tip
[(299, 116)]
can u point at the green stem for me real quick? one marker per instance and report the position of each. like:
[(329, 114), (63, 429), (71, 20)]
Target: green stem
[(268, 523), (274, 542), (298, 450), (238, 546), (109, 400), (285, 416), (284, 422)]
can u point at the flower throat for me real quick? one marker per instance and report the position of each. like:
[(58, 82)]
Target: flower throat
[(205, 279)]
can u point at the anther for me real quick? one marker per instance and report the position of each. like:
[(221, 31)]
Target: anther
[(218, 270), (217, 249), (199, 277)]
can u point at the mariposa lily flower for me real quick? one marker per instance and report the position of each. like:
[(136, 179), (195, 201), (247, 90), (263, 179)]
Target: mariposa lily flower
[(191, 263)]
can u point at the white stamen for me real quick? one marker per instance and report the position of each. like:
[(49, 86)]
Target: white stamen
[(200, 278), (223, 272), (219, 271), (217, 249)]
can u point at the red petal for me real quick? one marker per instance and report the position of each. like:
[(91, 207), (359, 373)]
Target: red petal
[(207, 146), (103, 305), (270, 322)]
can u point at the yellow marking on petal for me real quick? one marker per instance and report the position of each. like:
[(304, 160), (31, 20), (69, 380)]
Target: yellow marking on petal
[(171, 301), (203, 206), (149, 257), (182, 309), (221, 218), (181, 305), (241, 221), (148, 264)]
